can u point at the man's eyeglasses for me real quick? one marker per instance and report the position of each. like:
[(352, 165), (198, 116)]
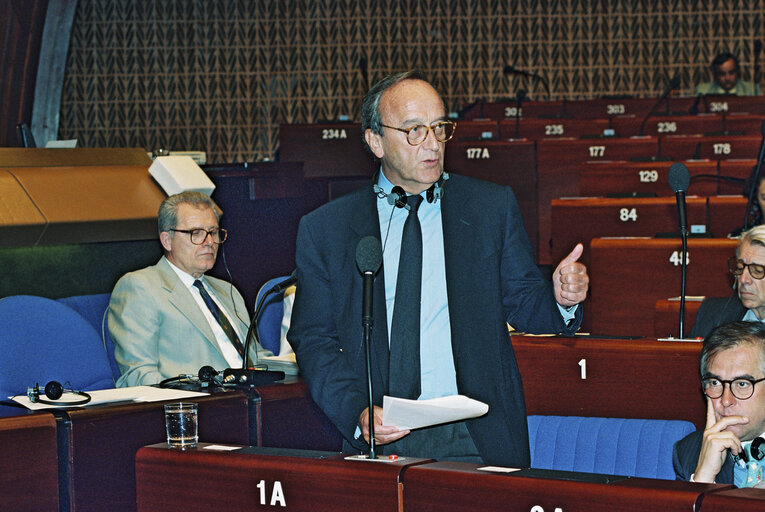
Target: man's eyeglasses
[(737, 267), (742, 388), (199, 235), (416, 135)]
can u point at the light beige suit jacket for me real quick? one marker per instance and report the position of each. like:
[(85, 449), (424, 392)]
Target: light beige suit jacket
[(159, 330)]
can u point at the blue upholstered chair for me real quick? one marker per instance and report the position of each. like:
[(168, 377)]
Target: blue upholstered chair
[(94, 308), (43, 340), (270, 317), (615, 446)]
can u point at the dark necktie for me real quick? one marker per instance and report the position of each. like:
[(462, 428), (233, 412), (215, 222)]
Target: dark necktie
[(404, 380), (220, 317)]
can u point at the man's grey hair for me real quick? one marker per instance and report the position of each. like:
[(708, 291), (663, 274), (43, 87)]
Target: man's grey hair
[(167, 218), (753, 236), (729, 336), (370, 106)]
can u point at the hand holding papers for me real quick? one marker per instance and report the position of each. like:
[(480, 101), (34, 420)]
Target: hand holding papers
[(412, 414)]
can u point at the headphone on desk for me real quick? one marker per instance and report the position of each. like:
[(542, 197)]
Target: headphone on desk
[(52, 391)]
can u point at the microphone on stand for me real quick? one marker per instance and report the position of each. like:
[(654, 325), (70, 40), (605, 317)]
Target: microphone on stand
[(756, 179), (368, 260), (673, 84), (679, 179), (257, 375), (512, 70)]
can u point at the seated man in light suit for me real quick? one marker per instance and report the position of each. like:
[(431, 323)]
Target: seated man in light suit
[(749, 302), (726, 79), (731, 448), (170, 319)]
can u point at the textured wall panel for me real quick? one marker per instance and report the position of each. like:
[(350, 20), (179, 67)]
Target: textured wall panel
[(221, 75)]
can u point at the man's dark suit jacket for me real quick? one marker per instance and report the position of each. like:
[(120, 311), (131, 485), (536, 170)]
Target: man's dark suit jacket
[(685, 458), (715, 311), (491, 279)]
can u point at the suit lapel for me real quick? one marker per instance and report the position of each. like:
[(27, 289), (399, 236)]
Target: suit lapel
[(179, 297)]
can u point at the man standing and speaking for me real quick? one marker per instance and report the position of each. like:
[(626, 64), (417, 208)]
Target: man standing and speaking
[(457, 268)]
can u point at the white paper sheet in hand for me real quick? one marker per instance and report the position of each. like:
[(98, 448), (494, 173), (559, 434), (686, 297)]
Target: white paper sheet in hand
[(412, 414)]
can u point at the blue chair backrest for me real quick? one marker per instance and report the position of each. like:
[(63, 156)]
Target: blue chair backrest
[(43, 340), (94, 308), (614, 446), (270, 317)]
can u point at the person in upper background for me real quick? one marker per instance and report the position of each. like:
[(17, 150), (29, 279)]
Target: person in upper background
[(726, 74), (170, 319), (731, 448), (457, 266), (748, 303)]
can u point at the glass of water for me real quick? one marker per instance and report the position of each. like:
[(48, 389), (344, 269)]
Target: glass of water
[(181, 422)]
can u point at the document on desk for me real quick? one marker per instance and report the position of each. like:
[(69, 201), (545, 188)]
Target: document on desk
[(122, 395), (412, 414), (285, 363)]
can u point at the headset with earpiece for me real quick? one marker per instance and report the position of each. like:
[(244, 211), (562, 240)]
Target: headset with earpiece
[(397, 196), (52, 391)]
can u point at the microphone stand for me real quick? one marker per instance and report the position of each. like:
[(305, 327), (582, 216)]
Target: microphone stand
[(257, 376), (684, 268)]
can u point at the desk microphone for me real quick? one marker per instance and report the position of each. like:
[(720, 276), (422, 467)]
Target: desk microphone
[(512, 70), (673, 84), (368, 261), (679, 179), (257, 375)]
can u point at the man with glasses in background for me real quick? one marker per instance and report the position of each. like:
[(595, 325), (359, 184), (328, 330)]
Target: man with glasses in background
[(748, 303), (170, 319), (457, 266), (731, 448)]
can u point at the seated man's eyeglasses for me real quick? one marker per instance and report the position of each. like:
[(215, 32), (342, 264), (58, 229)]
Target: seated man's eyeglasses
[(737, 267), (742, 388), (199, 235), (416, 135)]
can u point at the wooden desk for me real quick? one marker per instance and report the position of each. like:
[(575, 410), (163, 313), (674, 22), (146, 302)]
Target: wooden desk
[(746, 124), (608, 178), (327, 150), (558, 162), (552, 128), (620, 378), (666, 318), (712, 147), (29, 469), (725, 103), (629, 126), (581, 220), (454, 486), (476, 129), (741, 169), (100, 444), (255, 478), (726, 213), (509, 109), (628, 276), (740, 500)]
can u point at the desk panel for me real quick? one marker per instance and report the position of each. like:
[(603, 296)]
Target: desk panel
[(746, 124), (646, 178), (200, 479), (328, 150), (666, 319), (551, 128), (453, 486), (29, 469), (726, 213), (725, 103), (558, 164), (736, 172), (629, 126), (581, 220), (712, 147), (628, 276), (101, 444), (476, 129), (590, 376), (740, 500)]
